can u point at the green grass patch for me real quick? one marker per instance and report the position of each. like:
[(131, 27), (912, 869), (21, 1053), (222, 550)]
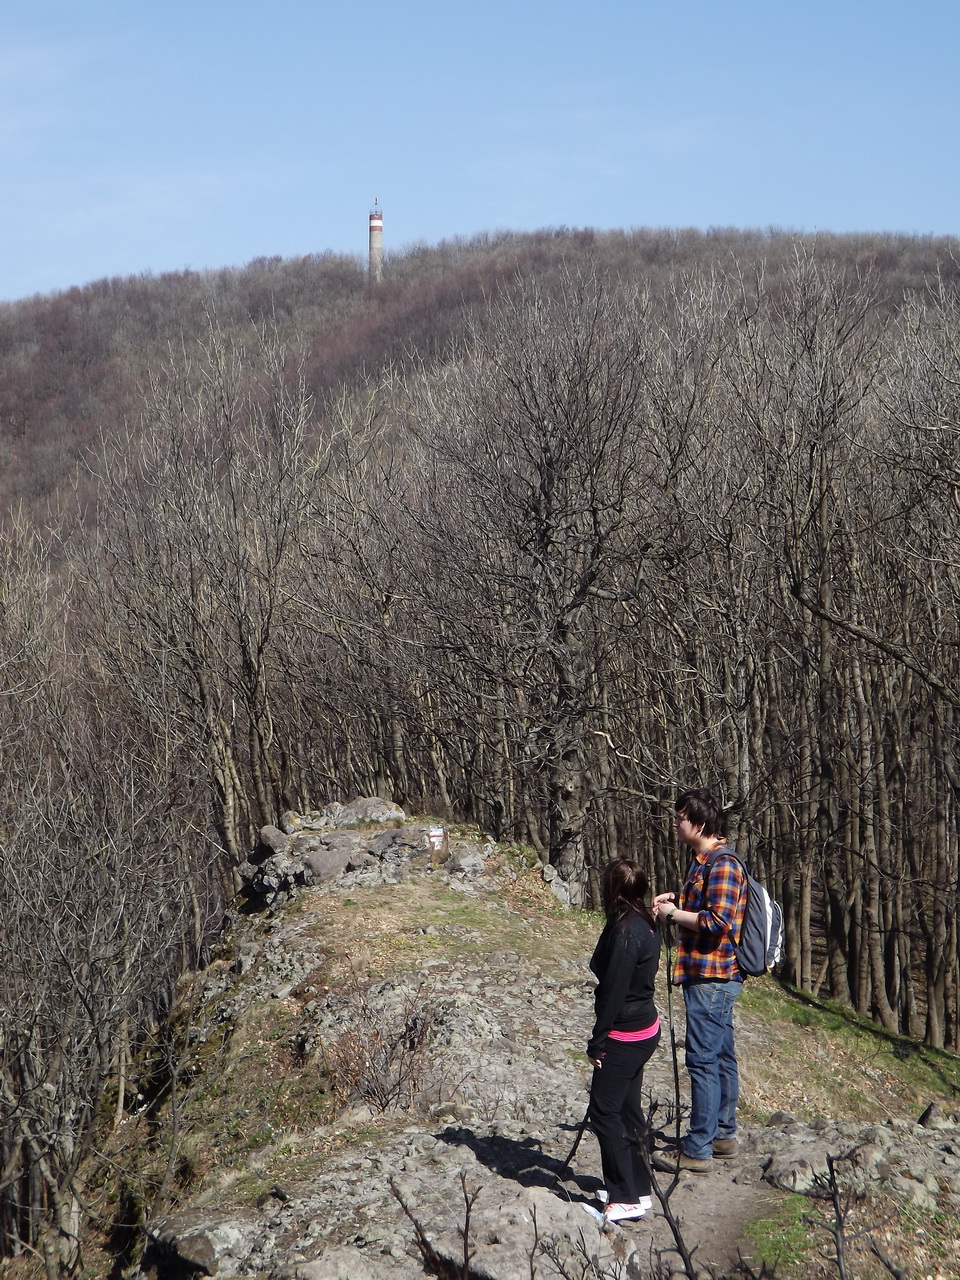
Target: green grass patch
[(782, 1241), (841, 1063), (521, 856)]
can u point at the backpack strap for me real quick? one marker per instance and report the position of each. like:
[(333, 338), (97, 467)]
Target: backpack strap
[(724, 850)]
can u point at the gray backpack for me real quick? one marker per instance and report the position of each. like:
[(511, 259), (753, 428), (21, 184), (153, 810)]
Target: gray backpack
[(759, 949)]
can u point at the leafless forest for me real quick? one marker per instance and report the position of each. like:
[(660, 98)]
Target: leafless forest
[(539, 532)]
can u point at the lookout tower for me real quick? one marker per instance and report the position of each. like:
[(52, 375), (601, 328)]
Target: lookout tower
[(376, 243)]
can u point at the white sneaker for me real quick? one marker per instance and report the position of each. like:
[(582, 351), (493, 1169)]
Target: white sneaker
[(626, 1212), (603, 1195)]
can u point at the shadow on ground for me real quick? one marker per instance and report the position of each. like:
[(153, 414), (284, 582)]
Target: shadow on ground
[(525, 1162)]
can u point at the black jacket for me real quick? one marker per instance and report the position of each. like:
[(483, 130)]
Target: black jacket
[(625, 962)]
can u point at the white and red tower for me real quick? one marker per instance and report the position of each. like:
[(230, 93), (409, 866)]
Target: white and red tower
[(376, 243)]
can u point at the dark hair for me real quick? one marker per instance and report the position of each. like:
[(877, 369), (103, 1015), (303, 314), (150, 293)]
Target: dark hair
[(624, 887), (702, 808)]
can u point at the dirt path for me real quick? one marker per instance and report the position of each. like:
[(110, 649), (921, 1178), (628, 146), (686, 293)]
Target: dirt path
[(714, 1210)]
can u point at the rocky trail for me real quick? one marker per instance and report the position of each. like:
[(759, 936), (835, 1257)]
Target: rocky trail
[(463, 1058)]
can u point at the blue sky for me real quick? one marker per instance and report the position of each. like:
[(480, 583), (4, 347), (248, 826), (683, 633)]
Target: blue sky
[(139, 136)]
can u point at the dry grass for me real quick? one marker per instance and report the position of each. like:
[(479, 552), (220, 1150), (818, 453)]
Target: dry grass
[(377, 931)]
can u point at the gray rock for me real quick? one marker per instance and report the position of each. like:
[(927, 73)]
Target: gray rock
[(800, 1168), (561, 891), (318, 848), (326, 859), (933, 1117), (413, 841), (871, 1159), (506, 1226), (497, 1086), (276, 878), (339, 1264), (246, 958), (274, 839), (369, 809), (878, 1133), (914, 1192), (210, 1241), (247, 870), (391, 844), (312, 820), (360, 860), (453, 1111), (465, 858), (291, 822), (559, 887)]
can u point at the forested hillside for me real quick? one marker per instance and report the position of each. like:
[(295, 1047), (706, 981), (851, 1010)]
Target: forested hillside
[(540, 530), (73, 363)]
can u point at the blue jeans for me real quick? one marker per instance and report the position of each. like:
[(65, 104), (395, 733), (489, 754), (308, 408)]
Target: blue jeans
[(711, 1064)]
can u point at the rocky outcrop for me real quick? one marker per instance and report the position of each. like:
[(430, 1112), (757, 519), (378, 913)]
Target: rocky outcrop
[(369, 838), (494, 1104), (198, 1242), (348, 1222), (916, 1161)]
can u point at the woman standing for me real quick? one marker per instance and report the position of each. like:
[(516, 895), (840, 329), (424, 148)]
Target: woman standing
[(625, 1034)]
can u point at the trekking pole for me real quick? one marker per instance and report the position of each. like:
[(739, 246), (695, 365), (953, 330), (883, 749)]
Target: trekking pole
[(581, 1130), (673, 1033)]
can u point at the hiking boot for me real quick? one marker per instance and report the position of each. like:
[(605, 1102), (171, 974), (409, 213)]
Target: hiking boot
[(725, 1148), (667, 1142), (681, 1164)]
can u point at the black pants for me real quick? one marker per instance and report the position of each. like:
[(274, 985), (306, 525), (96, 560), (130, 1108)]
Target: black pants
[(619, 1119)]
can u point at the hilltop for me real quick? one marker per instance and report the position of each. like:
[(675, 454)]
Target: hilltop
[(369, 1052), (74, 365)]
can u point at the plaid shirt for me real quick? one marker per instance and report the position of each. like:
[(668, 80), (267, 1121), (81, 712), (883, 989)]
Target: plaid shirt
[(706, 952)]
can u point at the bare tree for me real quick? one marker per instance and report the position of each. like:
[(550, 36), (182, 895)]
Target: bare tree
[(99, 911), (202, 509)]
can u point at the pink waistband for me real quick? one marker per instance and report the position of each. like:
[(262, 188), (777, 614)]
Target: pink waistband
[(646, 1034)]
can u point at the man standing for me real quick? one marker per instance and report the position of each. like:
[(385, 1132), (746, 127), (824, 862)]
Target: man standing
[(711, 909)]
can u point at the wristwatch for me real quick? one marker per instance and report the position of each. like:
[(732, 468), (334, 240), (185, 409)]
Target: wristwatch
[(671, 913)]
